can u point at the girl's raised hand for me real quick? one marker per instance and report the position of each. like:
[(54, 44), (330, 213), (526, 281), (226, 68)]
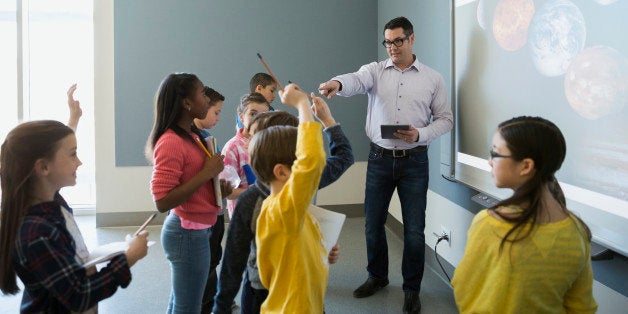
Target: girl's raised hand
[(75, 108)]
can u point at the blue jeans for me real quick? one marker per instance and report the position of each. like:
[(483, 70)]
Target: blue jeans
[(189, 256), (410, 175), (215, 245), (251, 299)]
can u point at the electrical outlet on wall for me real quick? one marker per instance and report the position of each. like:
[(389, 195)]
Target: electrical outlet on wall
[(446, 231)]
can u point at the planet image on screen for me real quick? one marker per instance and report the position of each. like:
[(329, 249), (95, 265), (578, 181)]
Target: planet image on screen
[(596, 82), (510, 23), (557, 34)]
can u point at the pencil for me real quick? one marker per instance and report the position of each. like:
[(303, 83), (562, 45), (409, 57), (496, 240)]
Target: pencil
[(198, 141), (269, 71), (143, 226)]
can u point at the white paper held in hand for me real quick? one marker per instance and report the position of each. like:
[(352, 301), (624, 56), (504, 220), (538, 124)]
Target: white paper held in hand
[(108, 251), (230, 174), (330, 224)]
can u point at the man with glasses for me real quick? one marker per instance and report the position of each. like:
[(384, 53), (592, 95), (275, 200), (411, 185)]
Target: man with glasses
[(401, 91)]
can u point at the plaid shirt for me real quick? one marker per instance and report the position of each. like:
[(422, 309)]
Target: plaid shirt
[(45, 261)]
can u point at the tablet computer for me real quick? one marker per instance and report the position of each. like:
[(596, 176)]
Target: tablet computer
[(389, 130)]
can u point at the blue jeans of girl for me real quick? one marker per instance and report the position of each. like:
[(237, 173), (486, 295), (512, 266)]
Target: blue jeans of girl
[(189, 255)]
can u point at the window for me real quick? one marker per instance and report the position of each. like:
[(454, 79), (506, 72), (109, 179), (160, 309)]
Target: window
[(8, 66), (48, 46)]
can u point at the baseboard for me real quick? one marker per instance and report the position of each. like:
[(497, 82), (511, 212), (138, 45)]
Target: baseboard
[(396, 227), (121, 219), (351, 210), (127, 219)]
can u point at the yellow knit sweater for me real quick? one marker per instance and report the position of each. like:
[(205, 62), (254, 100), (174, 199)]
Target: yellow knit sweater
[(291, 257), (547, 272)]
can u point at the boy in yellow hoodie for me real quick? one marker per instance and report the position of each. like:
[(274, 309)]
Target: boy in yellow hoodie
[(292, 259)]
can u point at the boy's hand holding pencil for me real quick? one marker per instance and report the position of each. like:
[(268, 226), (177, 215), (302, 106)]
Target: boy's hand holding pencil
[(321, 111), (292, 95)]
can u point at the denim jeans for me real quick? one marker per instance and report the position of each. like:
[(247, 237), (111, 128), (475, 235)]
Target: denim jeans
[(189, 256), (410, 176), (215, 240), (251, 298)]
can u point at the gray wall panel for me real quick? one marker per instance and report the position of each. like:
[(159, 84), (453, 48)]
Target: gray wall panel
[(305, 42)]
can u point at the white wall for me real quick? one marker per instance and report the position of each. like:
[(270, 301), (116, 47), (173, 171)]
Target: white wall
[(117, 189), (349, 189)]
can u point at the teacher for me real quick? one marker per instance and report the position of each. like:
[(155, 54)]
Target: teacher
[(401, 91)]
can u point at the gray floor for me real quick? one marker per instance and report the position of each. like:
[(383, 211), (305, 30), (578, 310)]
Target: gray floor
[(150, 288)]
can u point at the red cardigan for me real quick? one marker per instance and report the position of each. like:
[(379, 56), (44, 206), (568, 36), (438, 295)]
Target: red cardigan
[(177, 160)]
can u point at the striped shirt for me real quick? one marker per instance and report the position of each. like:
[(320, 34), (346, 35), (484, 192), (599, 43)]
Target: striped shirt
[(416, 96)]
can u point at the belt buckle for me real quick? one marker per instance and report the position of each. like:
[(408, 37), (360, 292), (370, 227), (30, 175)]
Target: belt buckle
[(401, 151)]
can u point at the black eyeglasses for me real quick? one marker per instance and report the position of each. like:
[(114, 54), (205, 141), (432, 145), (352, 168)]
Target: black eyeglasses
[(397, 42), (494, 155)]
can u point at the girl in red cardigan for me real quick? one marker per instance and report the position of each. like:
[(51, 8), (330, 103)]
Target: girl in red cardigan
[(182, 182)]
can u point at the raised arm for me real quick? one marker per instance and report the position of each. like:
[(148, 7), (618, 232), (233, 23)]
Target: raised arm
[(309, 163), (75, 108), (340, 153), (350, 84), (295, 97)]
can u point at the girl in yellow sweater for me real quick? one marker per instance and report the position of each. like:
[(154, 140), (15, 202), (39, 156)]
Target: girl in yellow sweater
[(528, 253)]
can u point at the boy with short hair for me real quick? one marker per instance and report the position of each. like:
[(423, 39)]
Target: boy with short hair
[(292, 259), (235, 150), (212, 118), (240, 248), (264, 84)]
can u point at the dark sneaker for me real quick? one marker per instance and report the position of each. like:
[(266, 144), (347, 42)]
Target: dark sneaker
[(369, 287), (411, 303)]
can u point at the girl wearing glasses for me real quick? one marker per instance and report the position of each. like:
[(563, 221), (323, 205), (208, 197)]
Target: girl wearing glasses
[(528, 253)]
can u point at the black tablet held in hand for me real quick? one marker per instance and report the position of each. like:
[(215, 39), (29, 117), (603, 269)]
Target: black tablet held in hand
[(389, 130)]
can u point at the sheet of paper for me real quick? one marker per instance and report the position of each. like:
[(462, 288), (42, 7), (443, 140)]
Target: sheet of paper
[(330, 224), (108, 251)]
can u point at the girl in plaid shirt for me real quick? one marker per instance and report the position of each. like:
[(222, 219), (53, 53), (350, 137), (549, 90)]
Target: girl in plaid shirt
[(39, 239)]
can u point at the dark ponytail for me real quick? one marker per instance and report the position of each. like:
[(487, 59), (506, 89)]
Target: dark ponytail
[(168, 105), (543, 142)]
